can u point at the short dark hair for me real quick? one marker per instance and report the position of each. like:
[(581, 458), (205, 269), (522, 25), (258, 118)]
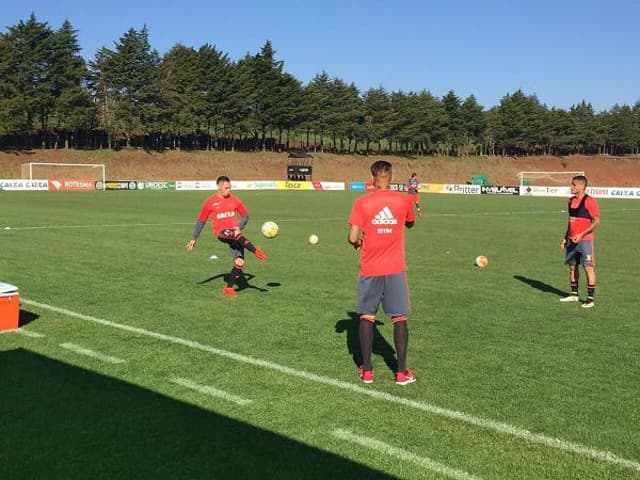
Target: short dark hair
[(414, 174), (582, 179), (222, 179), (380, 168)]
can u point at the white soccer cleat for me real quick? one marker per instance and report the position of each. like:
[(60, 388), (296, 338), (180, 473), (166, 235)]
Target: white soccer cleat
[(570, 298), (588, 304)]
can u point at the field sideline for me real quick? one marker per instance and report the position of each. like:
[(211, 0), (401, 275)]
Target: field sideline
[(130, 361)]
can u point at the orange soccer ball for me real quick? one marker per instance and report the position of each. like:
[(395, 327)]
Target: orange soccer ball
[(481, 261)]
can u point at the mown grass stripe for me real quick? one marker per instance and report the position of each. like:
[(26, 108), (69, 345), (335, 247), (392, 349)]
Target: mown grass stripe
[(404, 455), (497, 426)]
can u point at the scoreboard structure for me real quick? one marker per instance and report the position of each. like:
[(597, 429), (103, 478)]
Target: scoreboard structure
[(300, 166)]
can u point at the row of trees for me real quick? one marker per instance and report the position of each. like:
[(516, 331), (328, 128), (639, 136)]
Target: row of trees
[(130, 96)]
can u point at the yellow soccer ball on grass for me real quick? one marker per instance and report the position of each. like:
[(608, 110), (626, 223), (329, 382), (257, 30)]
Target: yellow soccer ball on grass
[(269, 229), (481, 261)]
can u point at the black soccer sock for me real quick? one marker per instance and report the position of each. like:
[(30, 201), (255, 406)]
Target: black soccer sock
[(401, 340), (574, 276), (591, 291), (574, 288), (234, 276), (366, 342), (244, 241)]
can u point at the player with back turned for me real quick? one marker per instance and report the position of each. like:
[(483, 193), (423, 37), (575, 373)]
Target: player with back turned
[(223, 208), (377, 223)]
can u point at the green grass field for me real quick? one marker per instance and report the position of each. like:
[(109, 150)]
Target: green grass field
[(185, 383)]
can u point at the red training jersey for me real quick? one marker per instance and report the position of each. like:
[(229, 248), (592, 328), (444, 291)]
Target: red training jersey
[(580, 224), (381, 215), (222, 212)]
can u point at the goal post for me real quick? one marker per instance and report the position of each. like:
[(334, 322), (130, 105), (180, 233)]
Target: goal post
[(66, 171), (544, 178)]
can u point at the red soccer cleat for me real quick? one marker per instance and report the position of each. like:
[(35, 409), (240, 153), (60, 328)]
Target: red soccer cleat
[(229, 292), (405, 378), (366, 375), (260, 254)]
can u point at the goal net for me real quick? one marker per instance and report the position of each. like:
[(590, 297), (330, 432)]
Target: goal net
[(546, 179), (65, 171)]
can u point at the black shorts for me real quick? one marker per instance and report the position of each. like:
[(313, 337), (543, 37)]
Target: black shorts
[(228, 236)]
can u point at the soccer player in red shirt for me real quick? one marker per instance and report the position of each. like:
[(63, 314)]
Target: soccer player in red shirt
[(377, 222), (222, 208), (413, 187), (584, 218)]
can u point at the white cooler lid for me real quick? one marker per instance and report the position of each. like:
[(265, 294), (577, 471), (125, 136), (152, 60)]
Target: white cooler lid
[(7, 288)]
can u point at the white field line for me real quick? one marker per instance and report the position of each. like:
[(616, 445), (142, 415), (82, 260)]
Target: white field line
[(91, 353), (104, 225), (403, 455), (497, 426), (29, 333), (286, 220), (211, 391)]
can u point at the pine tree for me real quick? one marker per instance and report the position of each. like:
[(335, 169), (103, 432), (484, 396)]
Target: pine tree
[(73, 109)]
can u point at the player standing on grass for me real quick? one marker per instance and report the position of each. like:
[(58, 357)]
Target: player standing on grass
[(584, 218), (377, 222), (413, 185), (222, 208)]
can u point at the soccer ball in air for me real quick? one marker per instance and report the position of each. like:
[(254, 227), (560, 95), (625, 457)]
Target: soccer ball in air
[(313, 239), (269, 229), (481, 261)]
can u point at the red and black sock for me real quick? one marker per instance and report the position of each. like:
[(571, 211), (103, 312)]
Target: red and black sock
[(244, 241), (233, 277), (573, 279), (574, 288)]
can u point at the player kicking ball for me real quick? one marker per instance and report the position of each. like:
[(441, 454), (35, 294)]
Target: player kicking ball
[(224, 208)]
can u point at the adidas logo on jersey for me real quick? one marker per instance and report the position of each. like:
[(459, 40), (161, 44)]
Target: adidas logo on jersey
[(384, 217)]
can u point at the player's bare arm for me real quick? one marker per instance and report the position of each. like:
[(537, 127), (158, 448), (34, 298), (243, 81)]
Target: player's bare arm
[(563, 242), (354, 237)]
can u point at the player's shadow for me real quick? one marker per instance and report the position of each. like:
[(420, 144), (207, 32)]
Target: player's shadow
[(26, 317), (538, 285), (380, 345), (242, 284)]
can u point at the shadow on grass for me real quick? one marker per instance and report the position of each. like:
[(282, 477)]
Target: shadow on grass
[(538, 285), (380, 346), (26, 317), (243, 281), (63, 422)]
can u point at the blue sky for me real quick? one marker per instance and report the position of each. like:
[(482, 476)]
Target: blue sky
[(563, 51)]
